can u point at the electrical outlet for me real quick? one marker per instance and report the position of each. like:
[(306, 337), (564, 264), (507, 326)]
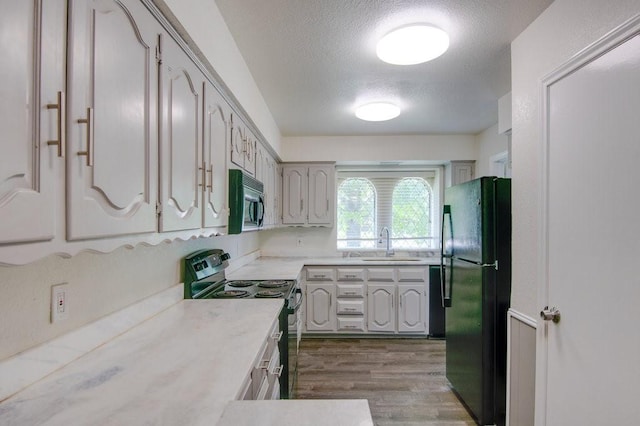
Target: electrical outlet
[(59, 302)]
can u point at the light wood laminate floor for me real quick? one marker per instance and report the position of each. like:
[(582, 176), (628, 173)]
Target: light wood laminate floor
[(403, 379)]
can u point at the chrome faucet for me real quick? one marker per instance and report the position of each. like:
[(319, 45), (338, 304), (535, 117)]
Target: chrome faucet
[(389, 251)]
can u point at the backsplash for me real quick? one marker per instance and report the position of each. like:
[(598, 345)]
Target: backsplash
[(99, 284)]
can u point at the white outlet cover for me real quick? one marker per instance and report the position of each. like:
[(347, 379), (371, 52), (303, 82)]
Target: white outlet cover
[(59, 302)]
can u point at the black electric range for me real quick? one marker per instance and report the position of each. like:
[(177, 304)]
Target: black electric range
[(204, 278)]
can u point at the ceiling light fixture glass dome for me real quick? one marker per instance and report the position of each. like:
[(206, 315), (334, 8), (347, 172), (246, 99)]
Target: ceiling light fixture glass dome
[(377, 111), (411, 45)]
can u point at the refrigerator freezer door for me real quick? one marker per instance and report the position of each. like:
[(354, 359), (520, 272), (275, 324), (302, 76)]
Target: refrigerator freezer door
[(464, 237), (469, 364)]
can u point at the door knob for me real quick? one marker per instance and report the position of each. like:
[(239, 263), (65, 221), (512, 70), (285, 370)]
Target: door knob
[(552, 314)]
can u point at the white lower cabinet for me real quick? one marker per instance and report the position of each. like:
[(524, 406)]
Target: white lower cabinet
[(264, 380), (371, 300), (320, 307), (411, 308), (381, 304)]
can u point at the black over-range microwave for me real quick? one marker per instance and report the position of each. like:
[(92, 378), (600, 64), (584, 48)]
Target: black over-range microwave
[(246, 202)]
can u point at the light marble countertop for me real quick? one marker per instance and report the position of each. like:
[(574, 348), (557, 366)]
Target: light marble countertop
[(347, 412), (269, 268), (373, 261), (289, 268), (181, 367)]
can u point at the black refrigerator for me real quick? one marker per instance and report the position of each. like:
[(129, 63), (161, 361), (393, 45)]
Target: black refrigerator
[(476, 292)]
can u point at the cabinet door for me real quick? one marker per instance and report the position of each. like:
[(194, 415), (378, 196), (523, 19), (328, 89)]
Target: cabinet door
[(112, 124), (294, 193), (321, 194), (260, 166), (30, 167), (250, 154), (270, 197), (216, 136), (182, 171), (412, 304), (238, 141), (381, 307), (320, 310)]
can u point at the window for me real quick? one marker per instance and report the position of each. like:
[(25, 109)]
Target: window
[(410, 214), (356, 213), (405, 201)]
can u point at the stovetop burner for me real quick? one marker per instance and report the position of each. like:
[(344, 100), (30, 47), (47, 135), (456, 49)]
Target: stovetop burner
[(230, 294), (269, 294), (240, 283), (273, 284)]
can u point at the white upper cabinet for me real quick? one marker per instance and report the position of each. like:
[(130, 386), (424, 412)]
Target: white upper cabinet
[(266, 173), (112, 126), (217, 123), (294, 194), (243, 146), (308, 194), (182, 168), (31, 117), (321, 194)]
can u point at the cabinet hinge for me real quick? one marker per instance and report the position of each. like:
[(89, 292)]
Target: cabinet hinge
[(158, 208)]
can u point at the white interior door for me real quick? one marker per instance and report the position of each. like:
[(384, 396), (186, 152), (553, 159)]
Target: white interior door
[(589, 362)]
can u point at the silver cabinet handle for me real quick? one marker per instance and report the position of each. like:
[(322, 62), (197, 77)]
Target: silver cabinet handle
[(203, 169), (60, 106), (277, 371), (552, 314), (89, 122)]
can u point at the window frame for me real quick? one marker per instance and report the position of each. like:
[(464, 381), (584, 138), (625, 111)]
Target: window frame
[(432, 174)]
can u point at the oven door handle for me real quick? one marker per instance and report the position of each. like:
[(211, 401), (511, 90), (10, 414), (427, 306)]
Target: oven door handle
[(293, 309)]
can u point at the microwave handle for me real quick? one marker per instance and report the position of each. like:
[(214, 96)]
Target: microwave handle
[(260, 212)]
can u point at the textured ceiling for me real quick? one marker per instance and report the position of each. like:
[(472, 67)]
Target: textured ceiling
[(314, 61)]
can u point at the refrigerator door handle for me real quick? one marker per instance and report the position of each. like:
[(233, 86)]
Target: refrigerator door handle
[(446, 298), (493, 265)]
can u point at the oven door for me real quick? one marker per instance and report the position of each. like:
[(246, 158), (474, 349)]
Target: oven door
[(294, 319)]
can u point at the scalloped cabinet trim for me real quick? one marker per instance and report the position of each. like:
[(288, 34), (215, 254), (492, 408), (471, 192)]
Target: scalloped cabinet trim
[(21, 254)]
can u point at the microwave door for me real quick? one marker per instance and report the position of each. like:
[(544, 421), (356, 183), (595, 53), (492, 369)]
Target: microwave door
[(260, 211)]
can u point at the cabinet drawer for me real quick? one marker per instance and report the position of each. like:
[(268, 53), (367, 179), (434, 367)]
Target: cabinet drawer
[(350, 307), (381, 274), (350, 274), (351, 324), (320, 274), (412, 274), (350, 290)]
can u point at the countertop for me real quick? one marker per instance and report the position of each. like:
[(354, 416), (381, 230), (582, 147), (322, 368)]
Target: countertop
[(289, 268), (347, 412), (181, 367)]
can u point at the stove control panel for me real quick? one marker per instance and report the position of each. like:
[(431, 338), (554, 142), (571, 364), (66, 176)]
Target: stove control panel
[(203, 264)]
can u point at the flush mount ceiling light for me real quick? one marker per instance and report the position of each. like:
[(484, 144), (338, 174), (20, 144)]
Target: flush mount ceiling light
[(377, 111), (412, 45)]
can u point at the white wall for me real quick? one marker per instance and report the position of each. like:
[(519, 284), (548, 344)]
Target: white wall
[(379, 148), (205, 25), (564, 29), (99, 284), (488, 144)]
